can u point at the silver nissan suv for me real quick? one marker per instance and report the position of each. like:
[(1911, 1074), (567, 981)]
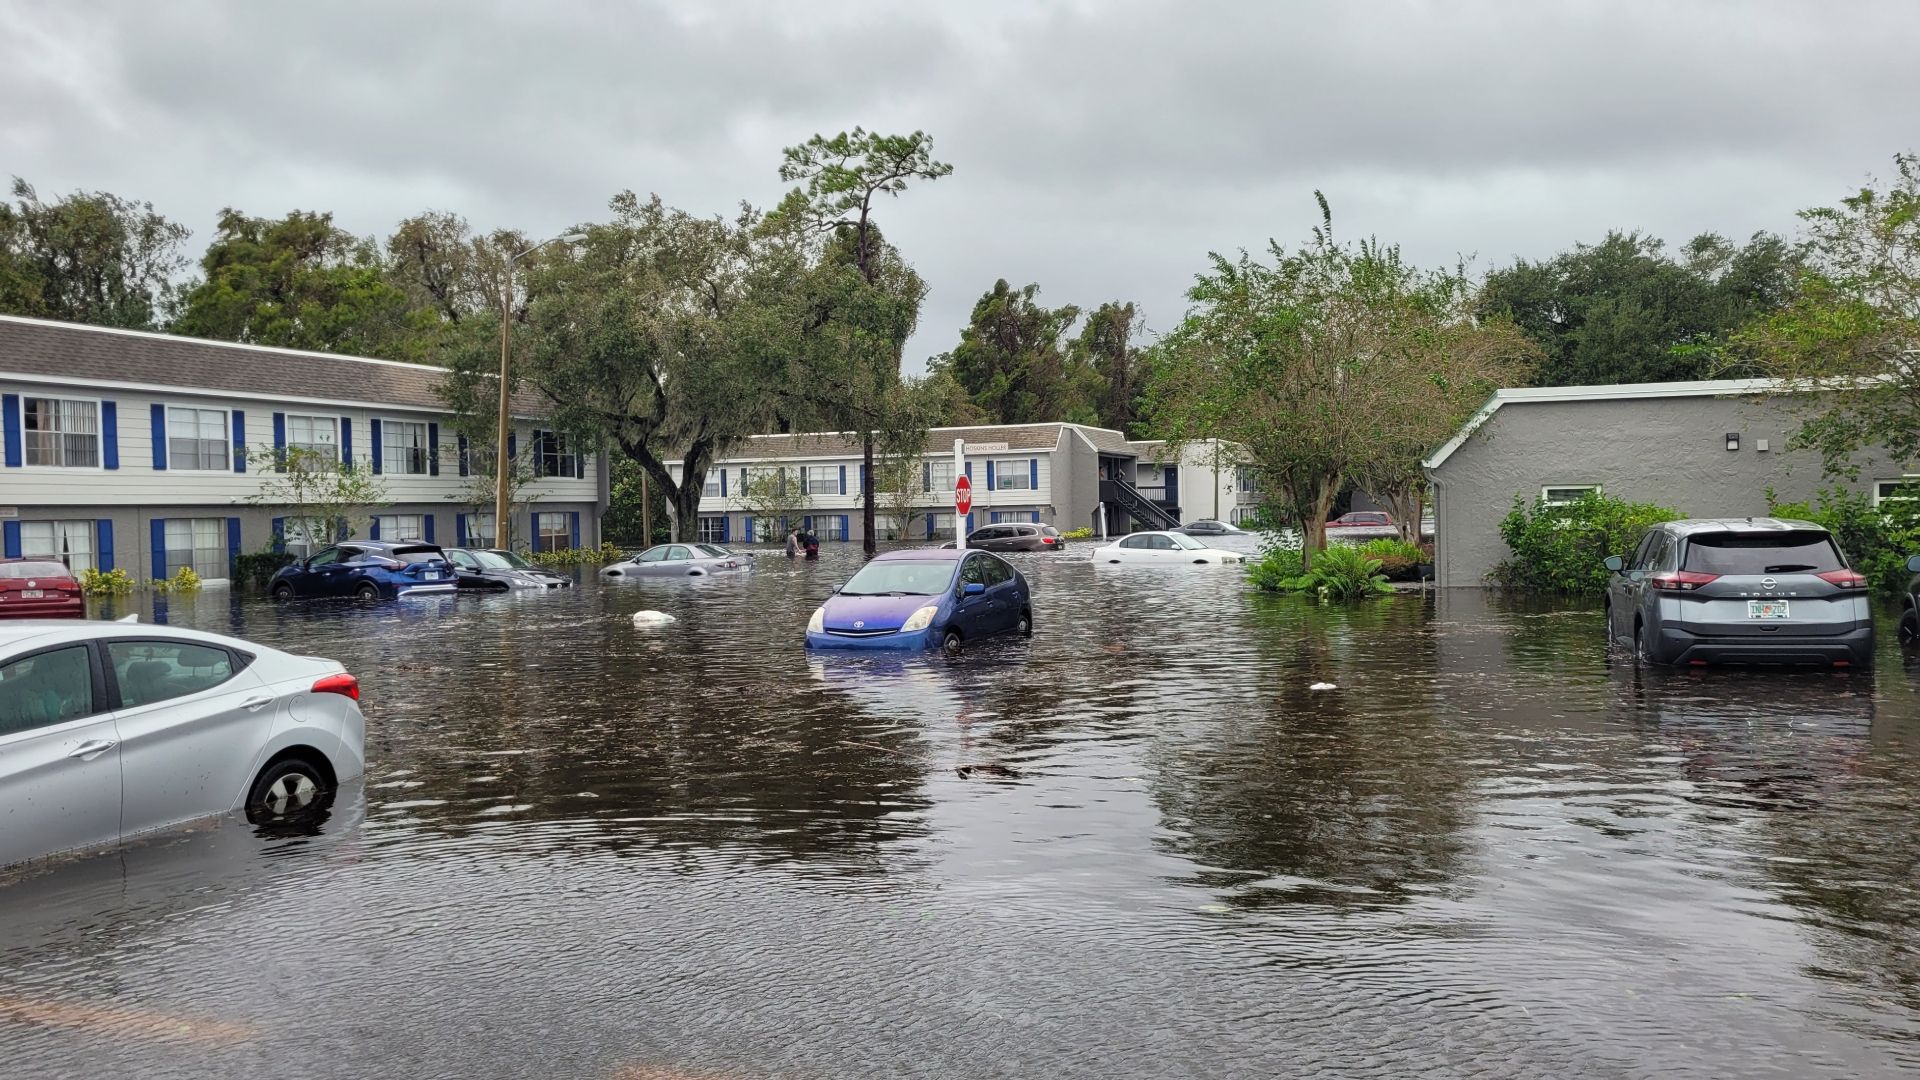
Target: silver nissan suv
[(1739, 591)]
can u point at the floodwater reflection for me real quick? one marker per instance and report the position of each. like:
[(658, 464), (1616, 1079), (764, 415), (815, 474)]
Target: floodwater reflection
[(1139, 844)]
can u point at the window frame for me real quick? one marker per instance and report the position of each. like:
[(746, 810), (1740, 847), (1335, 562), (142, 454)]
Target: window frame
[(1585, 489), (220, 548), (388, 427), (710, 528), (88, 525), (557, 459), (1019, 467), (103, 701), (99, 434), (1912, 483), (223, 457), (419, 533), (328, 454), (930, 478), (827, 476), (540, 530)]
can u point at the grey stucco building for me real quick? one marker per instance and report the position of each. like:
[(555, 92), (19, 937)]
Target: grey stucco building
[(1708, 449)]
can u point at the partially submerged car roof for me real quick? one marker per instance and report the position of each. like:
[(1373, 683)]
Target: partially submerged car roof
[(933, 554), (1691, 526)]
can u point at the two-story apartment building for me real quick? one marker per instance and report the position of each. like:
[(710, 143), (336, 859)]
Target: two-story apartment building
[(149, 452), (1067, 475), (1208, 479)]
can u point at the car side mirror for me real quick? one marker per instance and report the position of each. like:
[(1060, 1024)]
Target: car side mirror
[(1616, 563), (972, 588), (1913, 563)]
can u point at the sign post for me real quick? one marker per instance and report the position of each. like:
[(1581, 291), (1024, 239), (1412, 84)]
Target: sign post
[(962, 493)]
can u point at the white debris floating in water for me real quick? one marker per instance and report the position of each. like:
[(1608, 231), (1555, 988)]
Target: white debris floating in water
[(651, 618), (1323, 686)]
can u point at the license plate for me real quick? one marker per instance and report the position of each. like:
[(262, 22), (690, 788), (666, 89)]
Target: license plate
[(32, 594), (1766, 609), (432, 575)]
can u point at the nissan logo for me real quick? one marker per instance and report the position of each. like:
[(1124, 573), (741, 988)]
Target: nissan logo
[(1767, 583)]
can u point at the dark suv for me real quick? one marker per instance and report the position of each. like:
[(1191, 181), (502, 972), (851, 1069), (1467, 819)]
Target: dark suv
[(1741, 590), (1015, 538), (366, 570)]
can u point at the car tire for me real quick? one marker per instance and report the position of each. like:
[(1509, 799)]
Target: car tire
[(1024, 627), (282, 591), (289, 790), (1909, 631), (950, 642), (366, 590), (1640, 657)]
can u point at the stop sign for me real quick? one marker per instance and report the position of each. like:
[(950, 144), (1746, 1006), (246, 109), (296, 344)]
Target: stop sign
[(963, 494)]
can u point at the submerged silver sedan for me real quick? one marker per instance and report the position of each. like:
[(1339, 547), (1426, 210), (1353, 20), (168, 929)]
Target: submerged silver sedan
[(108, 730), (674, 560)]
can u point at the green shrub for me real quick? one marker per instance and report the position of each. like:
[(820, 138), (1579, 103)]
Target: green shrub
[(1276, 570), (1398, 559), (1562, 548), (1085, 533), (111, 583), (184, 580), (254, 569), (1876, 539), (1344, 572), (605, 553)]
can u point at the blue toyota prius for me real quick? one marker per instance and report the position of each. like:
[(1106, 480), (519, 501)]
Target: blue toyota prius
[(924, 598)]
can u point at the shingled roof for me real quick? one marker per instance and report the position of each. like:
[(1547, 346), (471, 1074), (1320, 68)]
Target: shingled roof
[(61, 351), (1027, 437)]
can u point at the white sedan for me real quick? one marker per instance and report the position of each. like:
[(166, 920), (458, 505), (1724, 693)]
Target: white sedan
[(108, 730), (1168, 548)]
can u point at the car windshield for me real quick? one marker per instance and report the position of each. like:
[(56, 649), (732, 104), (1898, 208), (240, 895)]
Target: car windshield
[(513, 560), (32, 570), (489, 561), (1188, 542), (1800, 551), (906, 578), (413, 556)]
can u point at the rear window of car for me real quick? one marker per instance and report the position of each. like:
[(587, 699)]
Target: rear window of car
[(413, 556), (33, 570), (1049, 530), (1800, 551)]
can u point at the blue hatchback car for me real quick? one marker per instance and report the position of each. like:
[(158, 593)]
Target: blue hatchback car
[(924, 598), (366, 570)]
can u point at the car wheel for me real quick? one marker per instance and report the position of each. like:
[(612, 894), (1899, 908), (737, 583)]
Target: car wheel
[(283, 591), (1025, 626), (950, 642), (1640, 657), (288, 790), (366, 590), (1909, 626)]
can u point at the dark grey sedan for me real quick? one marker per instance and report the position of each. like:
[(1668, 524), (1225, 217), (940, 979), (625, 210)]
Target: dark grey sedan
[(1739, 590)]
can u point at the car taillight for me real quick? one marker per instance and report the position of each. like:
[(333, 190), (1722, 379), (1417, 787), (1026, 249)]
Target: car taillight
[(343, 684), (1845, 579), (1048, 540), (1680, 580)]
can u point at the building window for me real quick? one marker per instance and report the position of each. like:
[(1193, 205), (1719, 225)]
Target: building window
[(942, 525), (301, 537), (556, 532), (197, 542), (711, 490), (70, 542), (402, 526), (1012, 475), (1244, 479), (313, 442), (197, 440), (939, 477), (480, 531), (820, 479), (403, 447), (62, 433), (556, 457), (832, 527), (1566, 494), (769, 531), (1243, 514), (1905, 489), (713, 530)]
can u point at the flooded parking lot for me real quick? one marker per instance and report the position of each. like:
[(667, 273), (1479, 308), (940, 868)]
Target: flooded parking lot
[(1137, 845)]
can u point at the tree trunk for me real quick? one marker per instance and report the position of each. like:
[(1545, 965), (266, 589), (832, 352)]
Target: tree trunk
[(867, 482), (1313, 520), (686, 511), (1408, 506)]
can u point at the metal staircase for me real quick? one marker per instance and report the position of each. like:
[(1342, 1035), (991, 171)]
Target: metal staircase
[(1144, 510)]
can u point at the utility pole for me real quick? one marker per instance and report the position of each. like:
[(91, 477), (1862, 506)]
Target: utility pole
[(502, 517)]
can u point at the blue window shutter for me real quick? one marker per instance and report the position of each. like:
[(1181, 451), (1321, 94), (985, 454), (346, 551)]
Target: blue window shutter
[(459, 530), (746, 528), (280, 441), (373, 434), (513, 446), (239, 441), (1036, 517), (279, 534), (373, 528), (843, 479), (157, 538), (989, 476), (843, 527), (539, 453), (427, 522), (580, 468), (1033, 474), (463, 456), (9, 539), (573, 529), (233, 542), (926, 476), (969, 470), (10, 416), (346, 441), (110, 434), (726, 527), (103, 540), (433, 449), (159, 437), (969, 521), (723, 483), (863, 478), (533, 529)]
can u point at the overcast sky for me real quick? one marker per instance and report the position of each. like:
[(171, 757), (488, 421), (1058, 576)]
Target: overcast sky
[(1099, 148)]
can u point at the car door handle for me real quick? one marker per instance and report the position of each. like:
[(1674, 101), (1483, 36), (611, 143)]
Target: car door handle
[(254, 704), (91, 749)]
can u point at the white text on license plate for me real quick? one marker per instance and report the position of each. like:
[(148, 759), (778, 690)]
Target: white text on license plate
[(1766, 609), (33, 594)]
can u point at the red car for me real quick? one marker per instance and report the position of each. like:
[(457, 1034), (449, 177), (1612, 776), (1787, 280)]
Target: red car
[(1362, 519), (39, 589)]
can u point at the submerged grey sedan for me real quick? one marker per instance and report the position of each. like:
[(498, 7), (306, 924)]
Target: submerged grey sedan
[(673, 560), (108, 730), (1739, 590)]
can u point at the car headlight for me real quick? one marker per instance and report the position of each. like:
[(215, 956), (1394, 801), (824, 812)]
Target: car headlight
[(818, 624), (921, 619)]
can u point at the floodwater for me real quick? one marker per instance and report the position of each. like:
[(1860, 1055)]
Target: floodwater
[(1138, 845)]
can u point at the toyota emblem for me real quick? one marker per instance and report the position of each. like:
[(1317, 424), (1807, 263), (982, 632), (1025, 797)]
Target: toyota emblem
[(33, 584), (859, 625), (1767, 583)]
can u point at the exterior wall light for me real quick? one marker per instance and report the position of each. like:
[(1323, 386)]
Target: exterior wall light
[(1733, 440)]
